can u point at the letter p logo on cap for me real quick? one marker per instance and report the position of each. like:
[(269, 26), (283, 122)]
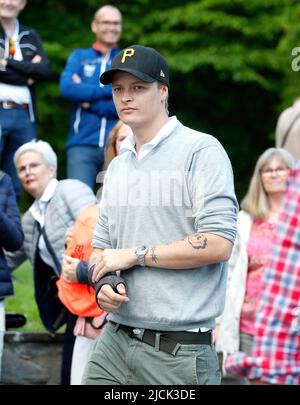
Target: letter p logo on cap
[(127, 53)]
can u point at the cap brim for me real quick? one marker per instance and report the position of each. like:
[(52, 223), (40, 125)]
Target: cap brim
[(106, 77)]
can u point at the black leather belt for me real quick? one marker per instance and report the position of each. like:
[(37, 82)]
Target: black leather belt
[(168, 342)]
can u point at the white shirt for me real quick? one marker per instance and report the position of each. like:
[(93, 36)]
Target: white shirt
[(38, 211), (164, 132)]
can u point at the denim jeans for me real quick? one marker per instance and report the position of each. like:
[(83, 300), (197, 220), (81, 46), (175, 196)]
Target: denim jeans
[(117, 359), (15, 130), (84, 163)]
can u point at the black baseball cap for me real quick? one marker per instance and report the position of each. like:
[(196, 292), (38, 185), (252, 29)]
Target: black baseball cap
[(142, 62)]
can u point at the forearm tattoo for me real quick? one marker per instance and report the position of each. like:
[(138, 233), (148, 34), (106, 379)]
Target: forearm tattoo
[(154, 256), (197, 241)]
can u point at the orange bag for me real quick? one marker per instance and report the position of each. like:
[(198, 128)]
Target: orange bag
[(80, 298)]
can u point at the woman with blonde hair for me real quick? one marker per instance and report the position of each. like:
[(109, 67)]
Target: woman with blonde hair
[(56, 206), (253, 244), (115, 138)]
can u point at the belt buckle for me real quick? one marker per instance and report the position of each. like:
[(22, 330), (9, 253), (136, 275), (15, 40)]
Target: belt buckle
[(6, 105), (138, 333)]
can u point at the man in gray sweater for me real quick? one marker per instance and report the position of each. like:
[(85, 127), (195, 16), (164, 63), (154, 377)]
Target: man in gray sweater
[(167, 224)]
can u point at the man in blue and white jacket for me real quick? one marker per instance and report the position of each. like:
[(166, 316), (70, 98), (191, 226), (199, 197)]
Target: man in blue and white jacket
[(93, 111)]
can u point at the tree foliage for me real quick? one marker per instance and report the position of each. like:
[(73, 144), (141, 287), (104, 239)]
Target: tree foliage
[(230, 64)]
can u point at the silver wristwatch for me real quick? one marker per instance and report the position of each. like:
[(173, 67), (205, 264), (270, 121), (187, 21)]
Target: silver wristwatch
[(141, 252)]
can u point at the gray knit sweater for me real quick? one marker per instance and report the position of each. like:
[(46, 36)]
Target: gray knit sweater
[(184, 185)]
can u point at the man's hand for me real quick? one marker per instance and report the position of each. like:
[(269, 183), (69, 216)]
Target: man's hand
[(69, 266), (113, 260), (109, 300), (36, 59), (76, 78), (3, 64)]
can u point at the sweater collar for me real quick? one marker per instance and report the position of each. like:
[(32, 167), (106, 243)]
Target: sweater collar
[(165, 131)]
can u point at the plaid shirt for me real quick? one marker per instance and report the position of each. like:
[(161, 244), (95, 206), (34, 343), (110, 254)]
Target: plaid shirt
[(275, 356)]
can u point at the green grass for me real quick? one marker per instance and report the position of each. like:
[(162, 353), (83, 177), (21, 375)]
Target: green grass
[(23, 300)]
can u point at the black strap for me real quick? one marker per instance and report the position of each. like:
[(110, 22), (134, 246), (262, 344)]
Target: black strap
[(287, 132), (168, 342), (50, 249)]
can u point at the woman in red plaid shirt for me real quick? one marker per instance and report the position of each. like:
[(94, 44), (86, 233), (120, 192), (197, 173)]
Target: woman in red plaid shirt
[(275, 356), (251, 252)]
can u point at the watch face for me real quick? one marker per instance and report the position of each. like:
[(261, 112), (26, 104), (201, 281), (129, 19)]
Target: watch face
[(141, 249), (141, 252)]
